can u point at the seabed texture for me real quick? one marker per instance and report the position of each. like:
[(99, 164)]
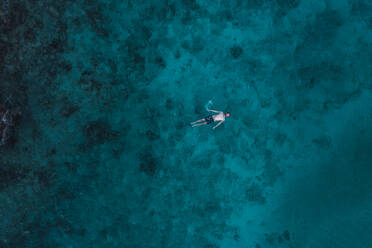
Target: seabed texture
[(104, 154)]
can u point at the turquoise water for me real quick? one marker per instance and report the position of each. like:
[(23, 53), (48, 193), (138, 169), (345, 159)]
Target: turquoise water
[(104, 155)]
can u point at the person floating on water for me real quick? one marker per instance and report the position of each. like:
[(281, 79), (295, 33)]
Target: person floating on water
[(220, 116)]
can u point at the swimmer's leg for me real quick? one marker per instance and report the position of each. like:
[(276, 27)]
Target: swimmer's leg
[(197, 121), (199, 124)]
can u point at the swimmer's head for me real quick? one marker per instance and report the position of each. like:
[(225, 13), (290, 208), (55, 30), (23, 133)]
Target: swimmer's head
[(227, 114)]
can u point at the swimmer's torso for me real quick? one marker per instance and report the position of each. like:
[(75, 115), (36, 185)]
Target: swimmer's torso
[(219, 117)]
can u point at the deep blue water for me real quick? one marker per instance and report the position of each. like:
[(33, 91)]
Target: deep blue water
[(104, 154)]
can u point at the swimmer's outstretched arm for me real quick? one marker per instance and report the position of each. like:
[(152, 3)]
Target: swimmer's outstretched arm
[(217, 124), (215, 111)]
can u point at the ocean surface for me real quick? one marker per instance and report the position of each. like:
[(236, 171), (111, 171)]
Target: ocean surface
[(104, 154)]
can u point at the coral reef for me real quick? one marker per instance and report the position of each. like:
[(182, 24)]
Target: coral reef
[(105, 156)]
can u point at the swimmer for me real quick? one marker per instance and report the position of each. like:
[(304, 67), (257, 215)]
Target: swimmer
[(220, 116)]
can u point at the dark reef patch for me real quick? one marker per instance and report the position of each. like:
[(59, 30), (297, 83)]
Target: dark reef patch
[(324, 27), (4, 47), (11, 174), (152, 135), (65, 66), (45, 177), (97, 21), (271, 173), (160, 61), (169, 104), (149, 165), (363, 9), (197, 45), (66, 192), (276, 239), (190, 4), (68, 108), (99, 132), (286, 235), (322, 142), (288, 4), (236, 51), (255, 194)]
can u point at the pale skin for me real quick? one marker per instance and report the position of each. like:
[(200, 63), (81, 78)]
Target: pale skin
[(220, 117)]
